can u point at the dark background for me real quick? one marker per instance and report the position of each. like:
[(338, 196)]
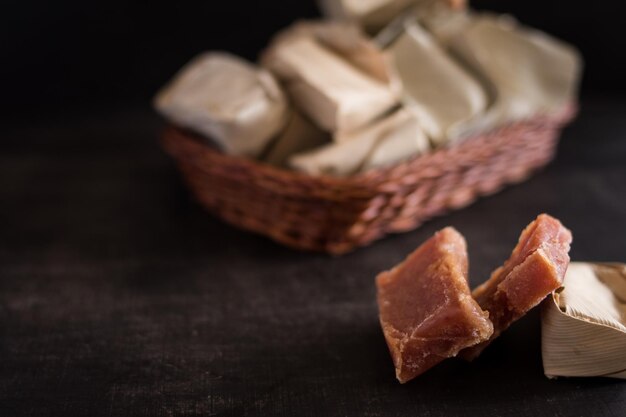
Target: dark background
[(120, 296), (63, 54)]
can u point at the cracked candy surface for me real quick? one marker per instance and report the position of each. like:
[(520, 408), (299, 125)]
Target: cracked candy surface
[(536, 268), (426, 310)]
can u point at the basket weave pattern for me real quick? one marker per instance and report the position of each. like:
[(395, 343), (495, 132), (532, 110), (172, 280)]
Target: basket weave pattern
[(336, 215)]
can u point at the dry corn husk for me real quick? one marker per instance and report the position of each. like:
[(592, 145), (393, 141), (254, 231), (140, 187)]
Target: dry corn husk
[(334, 74), (235, 103), (584, 324)]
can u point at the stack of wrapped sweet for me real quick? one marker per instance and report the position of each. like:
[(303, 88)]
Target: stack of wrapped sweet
[(377, 83)]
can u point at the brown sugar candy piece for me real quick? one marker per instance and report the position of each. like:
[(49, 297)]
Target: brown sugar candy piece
[(535, 269), (426, 310)]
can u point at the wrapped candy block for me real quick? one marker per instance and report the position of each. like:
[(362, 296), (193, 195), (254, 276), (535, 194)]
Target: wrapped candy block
[(239, 106), (443, 95), (389, 140), (583, 325), (535, 268), (402, 139), (299, 135), (443, 22), (527, 72), (373, 15), (426, 310), (411, 96), (337, 77)]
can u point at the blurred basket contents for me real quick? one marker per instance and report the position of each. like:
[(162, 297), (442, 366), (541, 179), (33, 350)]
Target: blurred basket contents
[(371, 122)]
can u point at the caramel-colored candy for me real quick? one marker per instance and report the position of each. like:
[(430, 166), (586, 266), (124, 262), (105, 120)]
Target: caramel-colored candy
[(535, 269), (426, 310)]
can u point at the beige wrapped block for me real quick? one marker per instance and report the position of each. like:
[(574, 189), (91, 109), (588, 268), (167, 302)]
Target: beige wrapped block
[(584, 325), (235, 103), (387, 141), (298, 136), (443, 22), (403, 139), (334, 74), (444, 96), (349, 42), (526, 71), (373, 15), (441, 18)]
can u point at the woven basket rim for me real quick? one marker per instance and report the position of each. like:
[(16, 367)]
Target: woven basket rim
[(336, 215), (366, 178)]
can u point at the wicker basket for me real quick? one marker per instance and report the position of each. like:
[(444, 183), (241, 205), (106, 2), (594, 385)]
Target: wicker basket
[(336, 215)]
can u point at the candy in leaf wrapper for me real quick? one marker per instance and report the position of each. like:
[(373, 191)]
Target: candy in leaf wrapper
[(526, 72), (299, 135), (584, 324), (403, 139), (444, 95), (390, 139), (443, 22), (373, 15), (334, 74), (239, 106)]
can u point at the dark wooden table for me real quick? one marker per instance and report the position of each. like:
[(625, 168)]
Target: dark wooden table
[(119, 296)]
